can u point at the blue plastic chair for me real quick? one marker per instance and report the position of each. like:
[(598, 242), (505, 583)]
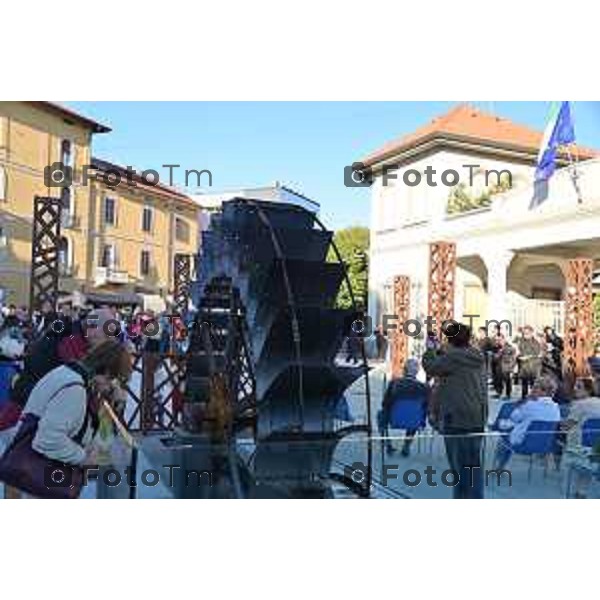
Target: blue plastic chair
[(540, 439), (503, 414), (408, 414), (590, 432), (8, 370)]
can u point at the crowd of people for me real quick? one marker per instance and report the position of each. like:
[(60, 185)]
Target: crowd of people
[(522, 359), (457, 373), (145, 329), (70, 366), (73, 363)]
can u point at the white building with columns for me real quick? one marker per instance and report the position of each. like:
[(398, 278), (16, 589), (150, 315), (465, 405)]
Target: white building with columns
[(510, 255)]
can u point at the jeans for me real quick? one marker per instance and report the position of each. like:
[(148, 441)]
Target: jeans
[(463, 449), (504, 451)]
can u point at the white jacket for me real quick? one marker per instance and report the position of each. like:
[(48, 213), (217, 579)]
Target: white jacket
[(540, 409), (61, 415)]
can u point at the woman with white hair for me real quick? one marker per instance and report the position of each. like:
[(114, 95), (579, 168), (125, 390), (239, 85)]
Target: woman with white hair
[(539, 406)]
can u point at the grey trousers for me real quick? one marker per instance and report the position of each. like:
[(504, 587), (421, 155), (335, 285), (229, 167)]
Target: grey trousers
[(464, 452)]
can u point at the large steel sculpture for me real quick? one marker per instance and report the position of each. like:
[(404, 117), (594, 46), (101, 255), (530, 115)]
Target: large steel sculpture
[(263, 376)]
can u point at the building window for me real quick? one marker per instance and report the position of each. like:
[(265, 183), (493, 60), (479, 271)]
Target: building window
[(109, 257), (145, 262), (64, 256), (68, 207), (67, 152), (415, 204), (147, 219), (182, 230), (2, 183), (110, 211), (65, 199)]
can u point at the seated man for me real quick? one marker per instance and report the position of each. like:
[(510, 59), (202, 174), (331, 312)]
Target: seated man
[(594, 363), (405, 388), (539, 406), (584, 406)]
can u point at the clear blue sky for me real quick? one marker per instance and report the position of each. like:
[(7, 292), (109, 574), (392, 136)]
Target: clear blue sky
[(302, 144)]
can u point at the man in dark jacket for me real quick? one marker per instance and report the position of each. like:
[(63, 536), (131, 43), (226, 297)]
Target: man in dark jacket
[(460, 401), (529, 360), (504, 364)]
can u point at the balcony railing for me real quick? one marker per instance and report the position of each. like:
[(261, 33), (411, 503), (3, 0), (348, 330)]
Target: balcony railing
[(109, 275)]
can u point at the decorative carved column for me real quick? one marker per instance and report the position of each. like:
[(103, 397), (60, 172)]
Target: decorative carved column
[(442, 273), (182, 273), (579, 328), (401, 312), (43, 284)]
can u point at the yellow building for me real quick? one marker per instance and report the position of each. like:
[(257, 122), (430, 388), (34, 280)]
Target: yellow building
[(33, 135), (117, 243), (138, 230)]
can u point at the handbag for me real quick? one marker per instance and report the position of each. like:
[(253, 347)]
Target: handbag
[(33, 473)]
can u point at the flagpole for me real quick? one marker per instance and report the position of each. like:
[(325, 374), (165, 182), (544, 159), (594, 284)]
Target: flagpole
[(574, 172)]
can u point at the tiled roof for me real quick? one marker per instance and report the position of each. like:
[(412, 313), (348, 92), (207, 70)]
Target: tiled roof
[(69, 113), (466, 123)]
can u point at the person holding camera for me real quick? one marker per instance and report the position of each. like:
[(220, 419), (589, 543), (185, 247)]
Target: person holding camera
[(60, 420), (459, 400)]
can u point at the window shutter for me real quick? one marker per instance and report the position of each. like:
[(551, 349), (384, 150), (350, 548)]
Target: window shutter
[(70, 253), (2, 183)]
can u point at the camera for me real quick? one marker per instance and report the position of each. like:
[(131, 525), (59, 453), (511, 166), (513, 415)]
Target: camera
[(357, 175), (357, 472), (58, 175), (58, 477)]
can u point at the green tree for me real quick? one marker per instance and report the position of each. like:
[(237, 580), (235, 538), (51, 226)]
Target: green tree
[(596, 309), (353, 245)]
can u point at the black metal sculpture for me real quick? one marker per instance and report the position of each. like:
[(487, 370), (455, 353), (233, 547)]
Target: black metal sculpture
[(267, 320)]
